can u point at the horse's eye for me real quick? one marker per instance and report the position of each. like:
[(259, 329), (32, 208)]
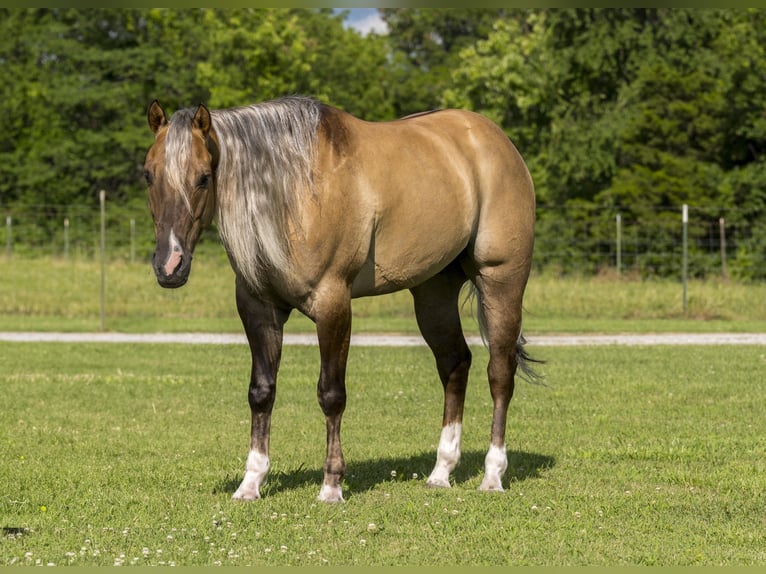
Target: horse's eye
[(203, 180), (148, 177)]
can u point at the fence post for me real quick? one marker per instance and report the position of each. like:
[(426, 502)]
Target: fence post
[(619, 244), (102, 202), (66, 239), (8, 240), (722, 232), (685, 258), (132, 240)]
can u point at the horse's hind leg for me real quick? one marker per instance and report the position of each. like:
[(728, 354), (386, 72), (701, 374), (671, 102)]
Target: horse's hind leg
[(500, 293), (437, 312)]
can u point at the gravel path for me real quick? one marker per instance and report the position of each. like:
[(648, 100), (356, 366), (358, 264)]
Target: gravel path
[(394, 340)]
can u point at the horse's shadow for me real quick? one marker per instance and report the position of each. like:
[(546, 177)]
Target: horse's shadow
[(365, 475)]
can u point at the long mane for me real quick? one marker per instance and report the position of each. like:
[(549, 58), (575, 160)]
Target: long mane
[(265, 163)]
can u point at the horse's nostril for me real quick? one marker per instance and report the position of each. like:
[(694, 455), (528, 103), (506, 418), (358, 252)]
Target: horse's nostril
[(174, 262)]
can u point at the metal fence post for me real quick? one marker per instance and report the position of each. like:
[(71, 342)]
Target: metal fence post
[(66, 239), (722, 233), (619, 244), (8, 239), (685, 258), (102, 202), (132, 240)]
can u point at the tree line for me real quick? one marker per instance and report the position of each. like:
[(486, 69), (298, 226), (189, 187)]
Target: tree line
[(629, 111)]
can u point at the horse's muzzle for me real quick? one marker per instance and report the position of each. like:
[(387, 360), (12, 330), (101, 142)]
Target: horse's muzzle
[(177, 277)]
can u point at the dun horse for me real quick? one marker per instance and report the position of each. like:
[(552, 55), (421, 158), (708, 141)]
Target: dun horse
[(316, 207)]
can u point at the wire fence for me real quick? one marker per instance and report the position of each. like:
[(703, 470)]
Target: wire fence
[(573, 239), (658, 241)]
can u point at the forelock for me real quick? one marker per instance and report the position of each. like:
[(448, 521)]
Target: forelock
[(178, 144)]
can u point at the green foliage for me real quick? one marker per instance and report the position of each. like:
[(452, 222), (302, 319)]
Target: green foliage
[(78, 82), (622, 110), (631, 111), (426, 44)]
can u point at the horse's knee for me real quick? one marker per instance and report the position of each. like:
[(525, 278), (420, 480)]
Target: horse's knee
[(453, 368), (261, 395), (332, 399)]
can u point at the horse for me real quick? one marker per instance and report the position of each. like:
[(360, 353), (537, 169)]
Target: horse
[(315, 207)]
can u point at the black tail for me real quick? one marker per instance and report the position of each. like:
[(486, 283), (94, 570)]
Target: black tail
[(523, 359)]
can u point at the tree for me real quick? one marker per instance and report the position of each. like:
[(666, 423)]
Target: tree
[(73, 76), (350, 71), (425, 44), (634, 110)]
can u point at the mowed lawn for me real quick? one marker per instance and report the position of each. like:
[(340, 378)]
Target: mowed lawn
[(129, 454)]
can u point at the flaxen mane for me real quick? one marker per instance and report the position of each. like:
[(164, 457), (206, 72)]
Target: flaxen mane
[(266, 156)]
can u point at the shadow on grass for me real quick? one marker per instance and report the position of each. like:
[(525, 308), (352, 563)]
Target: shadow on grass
[(365, 475)]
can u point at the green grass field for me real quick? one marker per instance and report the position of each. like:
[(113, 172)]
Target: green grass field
[(45, 294), (128, 454)]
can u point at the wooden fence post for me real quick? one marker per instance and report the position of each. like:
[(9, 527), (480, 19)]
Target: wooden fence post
[(102, 202), (685, 257), (722, 233)]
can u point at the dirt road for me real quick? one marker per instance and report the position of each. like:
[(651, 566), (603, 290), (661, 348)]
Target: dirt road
[(394, 340)]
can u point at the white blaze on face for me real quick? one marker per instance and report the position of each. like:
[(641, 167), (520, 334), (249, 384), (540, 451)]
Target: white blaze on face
[(175, 252), (447, 456)]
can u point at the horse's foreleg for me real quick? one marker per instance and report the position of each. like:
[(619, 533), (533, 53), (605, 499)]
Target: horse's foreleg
[(263, 325), (437, 313), (333, 322)]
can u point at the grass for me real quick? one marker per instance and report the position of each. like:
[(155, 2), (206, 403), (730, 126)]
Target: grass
[(128, 454), (47, 294)]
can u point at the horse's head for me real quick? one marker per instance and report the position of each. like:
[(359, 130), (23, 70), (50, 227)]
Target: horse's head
[(180, 172)]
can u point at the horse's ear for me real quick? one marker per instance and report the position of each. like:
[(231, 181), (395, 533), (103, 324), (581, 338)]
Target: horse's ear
[(156, 116), (202, 120)]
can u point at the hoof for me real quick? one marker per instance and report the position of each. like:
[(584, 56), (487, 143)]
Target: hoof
[(248, 490), (438, 483), (330, 494), (492, 485), (245, 496)]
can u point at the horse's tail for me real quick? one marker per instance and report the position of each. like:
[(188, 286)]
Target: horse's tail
[(523, 359)]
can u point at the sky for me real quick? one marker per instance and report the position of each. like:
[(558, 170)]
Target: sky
[(366, 20)]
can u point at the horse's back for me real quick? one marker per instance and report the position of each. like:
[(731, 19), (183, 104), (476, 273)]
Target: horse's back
[(447, 155)]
